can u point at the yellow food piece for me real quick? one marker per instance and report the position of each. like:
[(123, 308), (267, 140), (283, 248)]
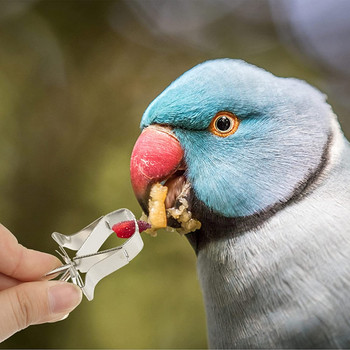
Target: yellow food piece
[(157, 214), (184, 217)]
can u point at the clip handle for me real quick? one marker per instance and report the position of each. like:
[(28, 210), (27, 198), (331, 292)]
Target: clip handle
[(113, 260), (96, 264)]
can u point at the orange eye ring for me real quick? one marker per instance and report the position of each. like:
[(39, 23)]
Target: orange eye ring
[(224, 124)]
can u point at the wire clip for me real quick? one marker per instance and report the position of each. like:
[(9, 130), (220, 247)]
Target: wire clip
[(88, 259)]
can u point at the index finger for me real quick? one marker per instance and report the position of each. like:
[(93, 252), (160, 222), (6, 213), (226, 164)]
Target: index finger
[(21, 263)]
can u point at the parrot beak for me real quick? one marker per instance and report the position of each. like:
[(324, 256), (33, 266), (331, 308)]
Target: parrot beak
[(157, 156)]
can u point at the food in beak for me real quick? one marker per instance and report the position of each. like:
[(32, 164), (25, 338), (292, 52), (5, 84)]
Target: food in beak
[(159, 214), (181, 213), (156, 206), (158, 177)]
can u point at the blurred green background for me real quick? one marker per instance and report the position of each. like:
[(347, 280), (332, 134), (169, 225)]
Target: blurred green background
[(75, 78)]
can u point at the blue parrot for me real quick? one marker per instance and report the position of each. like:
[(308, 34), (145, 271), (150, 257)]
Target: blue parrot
[(268, 169)]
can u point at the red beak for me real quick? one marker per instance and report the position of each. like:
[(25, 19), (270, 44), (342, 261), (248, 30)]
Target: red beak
[(157, 155)]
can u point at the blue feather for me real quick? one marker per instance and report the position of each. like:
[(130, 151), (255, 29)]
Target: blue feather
[(284, 126)]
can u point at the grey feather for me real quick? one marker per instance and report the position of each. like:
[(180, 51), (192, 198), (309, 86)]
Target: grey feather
[(287, 283)]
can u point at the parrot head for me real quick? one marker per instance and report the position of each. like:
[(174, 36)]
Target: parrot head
[(244, 141)]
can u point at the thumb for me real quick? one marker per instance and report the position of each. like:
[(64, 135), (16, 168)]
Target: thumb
[(35, 302)]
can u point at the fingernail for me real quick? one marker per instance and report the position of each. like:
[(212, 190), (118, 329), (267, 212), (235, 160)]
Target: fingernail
[(58, 319), (64, 297), (64, 317)]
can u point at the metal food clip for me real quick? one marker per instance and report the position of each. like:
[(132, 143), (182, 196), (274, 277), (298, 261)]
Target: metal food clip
[(96, 264)]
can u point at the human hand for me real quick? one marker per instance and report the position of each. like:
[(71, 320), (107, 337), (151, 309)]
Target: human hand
[(26, 299)]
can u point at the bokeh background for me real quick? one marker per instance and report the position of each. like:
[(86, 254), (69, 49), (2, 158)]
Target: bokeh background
[(75, 78)]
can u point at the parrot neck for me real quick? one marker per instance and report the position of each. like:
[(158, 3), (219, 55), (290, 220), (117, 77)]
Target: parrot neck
[(261, 287), (217, 227)]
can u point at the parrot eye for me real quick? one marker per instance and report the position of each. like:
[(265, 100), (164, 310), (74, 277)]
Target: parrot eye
[(224, 124)]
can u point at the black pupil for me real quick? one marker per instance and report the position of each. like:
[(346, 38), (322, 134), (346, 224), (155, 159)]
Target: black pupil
[(223, 123)]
